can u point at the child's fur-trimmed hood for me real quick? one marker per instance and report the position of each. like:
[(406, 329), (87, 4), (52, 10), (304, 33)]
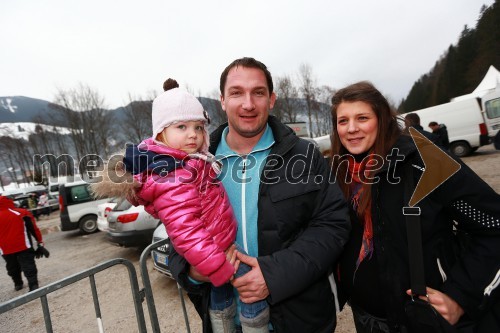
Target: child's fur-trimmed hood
[(115, 181)]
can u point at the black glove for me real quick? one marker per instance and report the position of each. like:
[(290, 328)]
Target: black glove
[(41, 252)]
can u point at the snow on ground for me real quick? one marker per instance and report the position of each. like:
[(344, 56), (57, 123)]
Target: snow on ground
[(24, 129)]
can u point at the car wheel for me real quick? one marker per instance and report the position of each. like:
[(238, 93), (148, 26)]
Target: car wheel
[(496, 141), (460, 149), (88, 224)]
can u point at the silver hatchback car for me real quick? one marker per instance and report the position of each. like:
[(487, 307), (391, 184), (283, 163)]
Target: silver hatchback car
[(129, 225)]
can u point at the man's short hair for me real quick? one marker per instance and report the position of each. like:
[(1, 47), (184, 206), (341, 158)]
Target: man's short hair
[(412, 119), (249, 63), (433, 123)]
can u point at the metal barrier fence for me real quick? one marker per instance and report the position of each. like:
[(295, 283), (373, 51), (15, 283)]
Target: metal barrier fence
[(137, 294), (149, 291)]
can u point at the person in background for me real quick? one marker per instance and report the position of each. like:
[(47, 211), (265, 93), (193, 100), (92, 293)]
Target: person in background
[(373, 271), (32, 201), (43, 204), (292, 222), (442, 132), (413, 120), (17, 230)]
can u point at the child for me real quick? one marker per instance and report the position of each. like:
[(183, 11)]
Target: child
[(175, 179)]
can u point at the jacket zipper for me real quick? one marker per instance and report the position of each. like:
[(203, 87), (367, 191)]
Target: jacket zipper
[(493, 285), (243, 205), (333, 287), (441, 270)]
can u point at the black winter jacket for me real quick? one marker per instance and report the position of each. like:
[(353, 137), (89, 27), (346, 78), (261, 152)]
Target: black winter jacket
[(464, 202), (302, 227)]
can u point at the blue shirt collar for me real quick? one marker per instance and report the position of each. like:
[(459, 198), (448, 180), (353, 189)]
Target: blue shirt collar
[(266, 141)]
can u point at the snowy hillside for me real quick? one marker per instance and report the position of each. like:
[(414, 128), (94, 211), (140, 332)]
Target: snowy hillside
[(24, 129)]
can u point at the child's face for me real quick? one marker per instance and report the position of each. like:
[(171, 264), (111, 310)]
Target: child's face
[(184, 135)]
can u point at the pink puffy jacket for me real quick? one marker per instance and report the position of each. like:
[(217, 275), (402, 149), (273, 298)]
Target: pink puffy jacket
[(195, 209)]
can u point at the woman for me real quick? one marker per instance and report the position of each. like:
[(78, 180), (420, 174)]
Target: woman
[(371, 156)]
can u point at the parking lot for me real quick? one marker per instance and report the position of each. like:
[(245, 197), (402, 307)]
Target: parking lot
[(72, 307)]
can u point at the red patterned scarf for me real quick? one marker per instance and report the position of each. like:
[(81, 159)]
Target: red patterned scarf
[(355, 170)]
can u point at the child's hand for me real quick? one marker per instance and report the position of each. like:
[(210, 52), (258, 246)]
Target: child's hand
[(230, 252), (231, 257), (194, 274)]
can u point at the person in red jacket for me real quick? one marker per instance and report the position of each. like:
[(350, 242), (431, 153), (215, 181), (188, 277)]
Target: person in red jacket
[(17, 226)]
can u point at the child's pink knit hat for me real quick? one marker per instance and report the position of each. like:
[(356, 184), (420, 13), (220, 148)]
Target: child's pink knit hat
[(175, 105)]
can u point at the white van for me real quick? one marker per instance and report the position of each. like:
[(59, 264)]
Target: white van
[(464, 121), (53, 190), (55, 182), (472, 120), (78, 207)]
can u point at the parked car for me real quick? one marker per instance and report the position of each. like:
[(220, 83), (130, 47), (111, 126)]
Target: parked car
[(24, 190), (54, 190), (78, 207), (102, 213), (160, 254), (130, 225), (21, 201), (53, 203)]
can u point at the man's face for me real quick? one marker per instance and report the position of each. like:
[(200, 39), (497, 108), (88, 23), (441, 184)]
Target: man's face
[(246, 101)]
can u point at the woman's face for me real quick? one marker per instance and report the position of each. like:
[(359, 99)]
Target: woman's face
[(357, 125)]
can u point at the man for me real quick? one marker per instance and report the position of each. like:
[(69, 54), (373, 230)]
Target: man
[(292, 222), (442, 132), (413, 120), (17, 226)]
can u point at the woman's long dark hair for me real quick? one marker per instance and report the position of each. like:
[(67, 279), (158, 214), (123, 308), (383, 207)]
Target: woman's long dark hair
[(388, 132)]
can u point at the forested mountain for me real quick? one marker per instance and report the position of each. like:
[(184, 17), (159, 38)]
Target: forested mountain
[(21, 109), (462, 67)]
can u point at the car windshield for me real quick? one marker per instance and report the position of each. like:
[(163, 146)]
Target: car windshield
[(122, 205)]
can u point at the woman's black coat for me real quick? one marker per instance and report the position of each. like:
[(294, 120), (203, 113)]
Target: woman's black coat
[(462, 267)]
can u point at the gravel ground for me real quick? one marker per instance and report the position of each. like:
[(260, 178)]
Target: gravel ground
[(72, 308)]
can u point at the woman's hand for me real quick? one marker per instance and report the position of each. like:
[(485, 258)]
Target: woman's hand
[(445, 305)]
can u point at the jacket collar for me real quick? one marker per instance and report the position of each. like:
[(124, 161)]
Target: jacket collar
[(405, 146), (265, 142), (149, 155)]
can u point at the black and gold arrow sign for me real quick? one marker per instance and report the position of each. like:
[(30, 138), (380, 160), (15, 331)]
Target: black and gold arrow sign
[(438, 167)]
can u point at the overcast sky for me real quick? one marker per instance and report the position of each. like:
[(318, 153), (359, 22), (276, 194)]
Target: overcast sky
[(122, 47)]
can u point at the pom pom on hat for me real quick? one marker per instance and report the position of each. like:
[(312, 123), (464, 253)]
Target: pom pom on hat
[(175, 105), (170, 84)]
